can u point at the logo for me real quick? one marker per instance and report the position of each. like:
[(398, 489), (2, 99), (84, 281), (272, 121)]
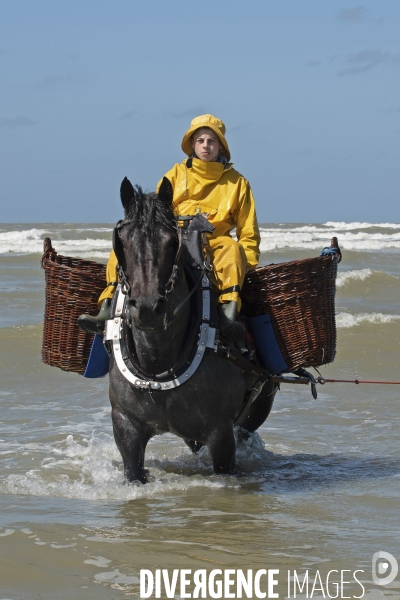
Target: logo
[(380, 564)]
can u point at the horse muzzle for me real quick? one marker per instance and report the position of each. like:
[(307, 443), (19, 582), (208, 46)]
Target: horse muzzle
[(147, 313)]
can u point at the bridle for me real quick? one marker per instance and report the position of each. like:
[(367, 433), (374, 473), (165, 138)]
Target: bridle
[(117, 246), (173, 278)]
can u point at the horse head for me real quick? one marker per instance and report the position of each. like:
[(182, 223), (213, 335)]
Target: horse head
[(146, 244)]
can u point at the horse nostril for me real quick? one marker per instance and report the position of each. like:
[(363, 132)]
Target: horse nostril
[(132, 302), (158, 304)]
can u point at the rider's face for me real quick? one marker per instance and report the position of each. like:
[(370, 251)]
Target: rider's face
[(206, 144)]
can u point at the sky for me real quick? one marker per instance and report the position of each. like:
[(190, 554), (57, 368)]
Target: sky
[(92, 91)]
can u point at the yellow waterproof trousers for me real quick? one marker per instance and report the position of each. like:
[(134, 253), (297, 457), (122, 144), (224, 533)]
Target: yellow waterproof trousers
[(228, 259), (111, 277)]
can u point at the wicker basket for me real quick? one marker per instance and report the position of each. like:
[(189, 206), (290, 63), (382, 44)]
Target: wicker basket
[(299, 297), (73, 287)]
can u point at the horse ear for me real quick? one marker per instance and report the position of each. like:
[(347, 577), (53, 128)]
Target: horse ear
[(127, 193), (165, 193)]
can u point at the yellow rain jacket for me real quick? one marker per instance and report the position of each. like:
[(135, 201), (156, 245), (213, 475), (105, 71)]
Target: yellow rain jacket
[(226, 197)]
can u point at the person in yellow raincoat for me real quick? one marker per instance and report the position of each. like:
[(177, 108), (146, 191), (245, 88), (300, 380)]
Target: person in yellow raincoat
[(207, 183)]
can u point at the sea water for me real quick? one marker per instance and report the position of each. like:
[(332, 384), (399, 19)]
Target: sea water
[(317, 487)]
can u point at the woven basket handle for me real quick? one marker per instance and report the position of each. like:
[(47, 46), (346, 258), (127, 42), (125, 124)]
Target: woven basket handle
[(48, 252), (335, 244)]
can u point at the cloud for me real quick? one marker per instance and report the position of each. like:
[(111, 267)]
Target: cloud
[(353, 15), (127, 115), (359, 62), (15, 122), (57, 80), (192, 112)]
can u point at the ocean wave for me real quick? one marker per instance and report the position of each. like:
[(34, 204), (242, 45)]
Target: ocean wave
[(90, 229), (315, 238), (358, 225), (318, 234), (90, 243), (345, 320), (358, 246), (30, 241), (360, 275), (97, 254), (22, 241)]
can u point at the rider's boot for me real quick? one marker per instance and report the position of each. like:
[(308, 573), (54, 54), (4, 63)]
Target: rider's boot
[(229, 326), (96, 323)]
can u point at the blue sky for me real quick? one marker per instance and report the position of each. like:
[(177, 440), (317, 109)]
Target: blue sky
[(94, 90)]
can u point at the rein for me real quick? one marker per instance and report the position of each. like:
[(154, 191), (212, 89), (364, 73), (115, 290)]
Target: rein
[(167, 322), (169, 286), (322, 381)]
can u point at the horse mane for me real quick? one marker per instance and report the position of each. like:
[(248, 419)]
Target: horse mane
[(147, 209)]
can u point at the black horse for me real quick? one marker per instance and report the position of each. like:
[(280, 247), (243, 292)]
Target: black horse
[(203, 410)]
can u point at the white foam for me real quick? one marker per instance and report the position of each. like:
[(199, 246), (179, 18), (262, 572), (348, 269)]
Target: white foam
[(345, 320), (91, 254), (92, 469), (116, 577), (26, 241), (90, 229), (98, 475), (360, 225), (360, 275), (7, 532), (352, 236), (98, 561), (30, 241), (314, 238)]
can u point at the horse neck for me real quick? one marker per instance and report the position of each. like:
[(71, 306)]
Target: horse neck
[(158, 351)]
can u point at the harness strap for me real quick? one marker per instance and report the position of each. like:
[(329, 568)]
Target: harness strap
[(169, 286), (112, 283), (228, 290), (168, 322)]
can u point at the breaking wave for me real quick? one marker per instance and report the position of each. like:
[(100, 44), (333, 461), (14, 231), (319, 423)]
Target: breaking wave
[(95, 241), (357, 225), (359, 274), (345, 320), (30, 241), (314, 237)]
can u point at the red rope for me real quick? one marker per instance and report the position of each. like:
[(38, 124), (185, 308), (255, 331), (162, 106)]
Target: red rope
[(322, 381)]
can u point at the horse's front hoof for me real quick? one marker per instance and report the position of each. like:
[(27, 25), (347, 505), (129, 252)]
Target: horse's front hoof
[(129, 478)]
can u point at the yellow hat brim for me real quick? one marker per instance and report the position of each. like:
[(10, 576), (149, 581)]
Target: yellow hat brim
[(187, 144)]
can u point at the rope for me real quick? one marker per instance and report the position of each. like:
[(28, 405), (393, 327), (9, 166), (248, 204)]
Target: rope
[(322, 381)]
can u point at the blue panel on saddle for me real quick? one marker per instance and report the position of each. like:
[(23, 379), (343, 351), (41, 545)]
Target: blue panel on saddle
[(267, 346), (97, 365)]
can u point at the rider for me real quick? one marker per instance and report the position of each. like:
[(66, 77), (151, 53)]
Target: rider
[(207, 183)]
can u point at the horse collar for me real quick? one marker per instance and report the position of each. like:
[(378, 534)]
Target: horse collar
[(114, 331)]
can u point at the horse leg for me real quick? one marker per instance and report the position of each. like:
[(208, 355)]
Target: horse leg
[(260, 408), (131, 443), (222, 447)]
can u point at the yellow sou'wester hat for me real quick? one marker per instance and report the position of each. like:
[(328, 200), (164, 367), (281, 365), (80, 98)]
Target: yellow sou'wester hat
[(211, 122)]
